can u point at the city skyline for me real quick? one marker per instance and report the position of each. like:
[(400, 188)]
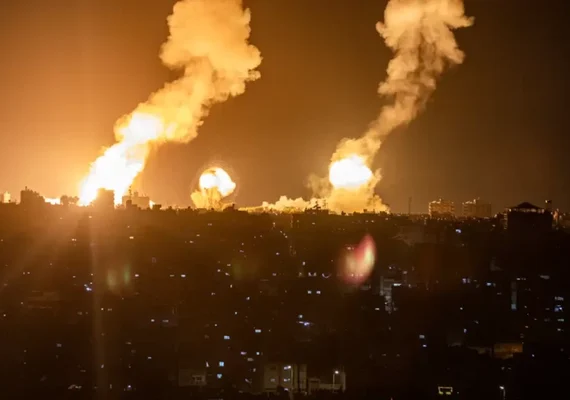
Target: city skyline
[(439, 155), (284, 199)]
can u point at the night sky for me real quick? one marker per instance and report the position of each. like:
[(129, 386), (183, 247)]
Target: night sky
[(496, 128)]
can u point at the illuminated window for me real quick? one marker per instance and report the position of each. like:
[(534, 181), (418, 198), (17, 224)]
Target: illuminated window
[(445, 390)]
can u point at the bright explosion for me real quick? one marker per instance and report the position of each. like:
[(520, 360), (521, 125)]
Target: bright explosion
[(117, 168), (208, 42), (350, 172), (215, 184)]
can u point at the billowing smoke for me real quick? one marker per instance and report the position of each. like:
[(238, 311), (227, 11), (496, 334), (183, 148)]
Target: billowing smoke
[(285, 204), (420, 32), (209, 43)]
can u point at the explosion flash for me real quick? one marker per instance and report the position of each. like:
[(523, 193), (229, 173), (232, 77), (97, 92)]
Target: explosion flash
[(420, 32), (350, 188), (215, 184), (350, 172), (208, 41)]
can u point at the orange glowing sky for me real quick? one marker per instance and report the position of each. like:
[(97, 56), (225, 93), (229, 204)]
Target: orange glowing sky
[(73, 70)]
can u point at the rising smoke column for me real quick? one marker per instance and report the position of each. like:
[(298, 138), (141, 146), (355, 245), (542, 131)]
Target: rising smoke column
[(208, 42), (420, 33)]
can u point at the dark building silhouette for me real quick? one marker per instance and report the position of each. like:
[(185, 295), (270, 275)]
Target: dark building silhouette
[(140, 304), (105, 200), (476, 209), (31, 198), (526, 219)]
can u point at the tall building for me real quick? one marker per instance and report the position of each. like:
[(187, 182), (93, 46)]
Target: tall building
[(136, 200), (105, 199), (548, 205), (291, 377), (30, 198), (528, 220), (476, 209), (441, 208)]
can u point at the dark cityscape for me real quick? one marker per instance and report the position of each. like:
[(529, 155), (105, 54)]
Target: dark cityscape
[(165, 303), (284, 199)]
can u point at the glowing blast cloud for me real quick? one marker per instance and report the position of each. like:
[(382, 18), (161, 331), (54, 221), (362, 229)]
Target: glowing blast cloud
[(350, 172), (215, 184), (420, 33), (209, 43), (359, 262)]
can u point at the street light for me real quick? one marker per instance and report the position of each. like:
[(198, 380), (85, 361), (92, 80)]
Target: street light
[(503, 392), (336, 372)]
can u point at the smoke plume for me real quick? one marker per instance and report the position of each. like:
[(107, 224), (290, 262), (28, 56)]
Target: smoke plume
[(208, 42), (420, 33)]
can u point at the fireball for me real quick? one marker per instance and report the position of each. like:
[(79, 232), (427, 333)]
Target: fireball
[(215, 184), (217, 179), (350, 173)]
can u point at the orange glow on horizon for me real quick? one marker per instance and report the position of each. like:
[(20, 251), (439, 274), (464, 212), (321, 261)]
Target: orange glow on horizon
[(119, 165)]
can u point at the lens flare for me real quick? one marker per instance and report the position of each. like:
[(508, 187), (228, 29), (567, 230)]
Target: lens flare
[(359, 262), (215, 184)]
